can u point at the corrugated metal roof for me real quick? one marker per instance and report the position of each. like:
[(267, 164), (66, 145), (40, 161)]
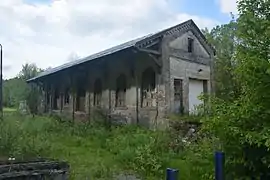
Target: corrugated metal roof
[(109, 51), (91, 57)]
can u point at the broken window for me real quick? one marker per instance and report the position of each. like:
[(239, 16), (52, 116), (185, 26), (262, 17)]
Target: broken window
[(178, 96), (190, 44), (97, 92), (121, 86), (148, 87)]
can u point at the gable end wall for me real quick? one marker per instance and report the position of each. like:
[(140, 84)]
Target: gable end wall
[(180, 64)]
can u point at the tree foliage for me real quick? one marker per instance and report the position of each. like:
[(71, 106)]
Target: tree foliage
[(242, 125), (16, 89), (223, 39), (28, 71)]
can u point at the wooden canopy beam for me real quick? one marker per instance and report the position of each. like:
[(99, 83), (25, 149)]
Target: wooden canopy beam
[(150, 51)]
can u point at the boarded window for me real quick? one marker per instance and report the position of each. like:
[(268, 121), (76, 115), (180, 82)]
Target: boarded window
[(178, 96), (148, 87), (121, 86), (190, 44), (97, 92)]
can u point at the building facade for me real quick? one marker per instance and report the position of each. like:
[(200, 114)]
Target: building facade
[(141, 81)]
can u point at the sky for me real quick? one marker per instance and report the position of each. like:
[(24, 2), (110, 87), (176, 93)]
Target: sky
[(52, 32)]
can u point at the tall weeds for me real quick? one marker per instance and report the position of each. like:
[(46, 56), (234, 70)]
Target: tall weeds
[(93, 151)]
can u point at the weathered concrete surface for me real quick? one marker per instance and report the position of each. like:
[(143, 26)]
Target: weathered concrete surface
[(176, 63), (185, 66)]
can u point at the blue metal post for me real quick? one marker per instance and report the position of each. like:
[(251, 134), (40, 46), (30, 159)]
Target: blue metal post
[(219, 165), (172, 174)]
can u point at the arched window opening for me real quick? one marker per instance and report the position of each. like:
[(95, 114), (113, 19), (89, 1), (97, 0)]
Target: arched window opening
[(121, 87), (97, 92), (148, 87)]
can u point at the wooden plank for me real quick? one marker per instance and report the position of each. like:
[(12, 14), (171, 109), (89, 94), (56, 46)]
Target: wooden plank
[(33, 166)]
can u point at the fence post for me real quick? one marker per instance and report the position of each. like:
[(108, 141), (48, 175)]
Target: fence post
[(219, 165), (172, 174)]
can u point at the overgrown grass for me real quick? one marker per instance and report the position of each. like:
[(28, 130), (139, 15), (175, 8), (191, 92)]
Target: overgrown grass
[(96, 153)]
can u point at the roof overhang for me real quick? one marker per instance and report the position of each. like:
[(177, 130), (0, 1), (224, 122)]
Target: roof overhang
[(139, 44)]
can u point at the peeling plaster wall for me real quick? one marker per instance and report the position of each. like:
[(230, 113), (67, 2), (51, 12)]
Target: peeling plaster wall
[(147, 116), (185, 66), (182, 43), (181, 69), (176, 63)]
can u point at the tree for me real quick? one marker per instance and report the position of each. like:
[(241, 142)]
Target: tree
[(72, 57), (12, 95), (223, 39), (16, 89), (242, 125), (28, 71)]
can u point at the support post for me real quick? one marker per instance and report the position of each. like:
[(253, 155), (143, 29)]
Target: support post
[(219, 165), (61, 101), (73, 104), (89, 96), (51, 99), (134, 74), (73, 98), (172, 174), (89, 105), (45, 98), (137, 98)]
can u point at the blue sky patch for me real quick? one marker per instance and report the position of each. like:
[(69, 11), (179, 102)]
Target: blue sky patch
[(204, 8), (37, 1)]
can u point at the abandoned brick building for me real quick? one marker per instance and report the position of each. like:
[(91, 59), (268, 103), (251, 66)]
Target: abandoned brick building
[(142, 80)]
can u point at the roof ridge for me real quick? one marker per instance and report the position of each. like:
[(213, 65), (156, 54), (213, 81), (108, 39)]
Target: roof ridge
[(107, 51)]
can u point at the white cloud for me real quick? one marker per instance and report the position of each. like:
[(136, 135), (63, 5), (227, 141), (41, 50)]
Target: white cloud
[(228, 6), (47, 34)]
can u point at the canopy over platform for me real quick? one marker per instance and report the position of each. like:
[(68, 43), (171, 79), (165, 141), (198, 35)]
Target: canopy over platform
[(136, 44)]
